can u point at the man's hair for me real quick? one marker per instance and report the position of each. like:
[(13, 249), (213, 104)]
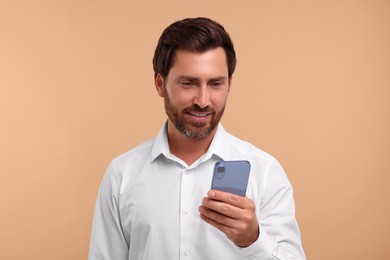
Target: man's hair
[(192, 34)]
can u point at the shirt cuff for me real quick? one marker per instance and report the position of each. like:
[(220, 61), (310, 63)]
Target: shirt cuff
[(262, 248)]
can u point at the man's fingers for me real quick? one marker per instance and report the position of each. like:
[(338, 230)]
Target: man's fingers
[(221, 208), (234, 229), (217, 217), (225, 229), (232, 214), (232, 199)]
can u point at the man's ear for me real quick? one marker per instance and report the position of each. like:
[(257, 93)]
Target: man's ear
[(159, 83)]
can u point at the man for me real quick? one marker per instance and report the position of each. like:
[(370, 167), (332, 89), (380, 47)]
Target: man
[(155, 201)]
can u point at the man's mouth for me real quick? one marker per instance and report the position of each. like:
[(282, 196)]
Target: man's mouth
[(200, 117), (198, 114)]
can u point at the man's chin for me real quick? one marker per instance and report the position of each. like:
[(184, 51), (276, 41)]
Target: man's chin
[(198, 132), (198, 126)]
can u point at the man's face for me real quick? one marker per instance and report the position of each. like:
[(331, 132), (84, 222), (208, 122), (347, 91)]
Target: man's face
[(195, 91)]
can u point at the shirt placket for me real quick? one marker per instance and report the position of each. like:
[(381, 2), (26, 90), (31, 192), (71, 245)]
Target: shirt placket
[(186, 215)]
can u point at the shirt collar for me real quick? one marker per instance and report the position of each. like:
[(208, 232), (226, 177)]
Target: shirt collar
[(218, 146), (160, 145)]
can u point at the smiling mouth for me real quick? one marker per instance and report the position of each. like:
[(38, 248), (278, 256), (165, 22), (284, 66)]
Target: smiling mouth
[(199, 114)]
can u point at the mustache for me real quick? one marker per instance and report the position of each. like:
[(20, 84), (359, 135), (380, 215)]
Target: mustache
[(197, 108)]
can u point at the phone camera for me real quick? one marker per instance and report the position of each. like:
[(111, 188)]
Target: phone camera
[(220, 171)]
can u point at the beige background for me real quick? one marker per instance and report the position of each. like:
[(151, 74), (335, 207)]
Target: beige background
[(312, 88)]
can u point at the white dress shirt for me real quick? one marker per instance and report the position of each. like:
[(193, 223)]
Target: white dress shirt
[(147, 206)]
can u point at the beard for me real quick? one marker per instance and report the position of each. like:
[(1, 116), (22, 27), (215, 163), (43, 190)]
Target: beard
[(193, 130)]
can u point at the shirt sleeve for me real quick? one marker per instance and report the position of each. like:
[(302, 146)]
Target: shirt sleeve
[(107, 239), (279, 237)]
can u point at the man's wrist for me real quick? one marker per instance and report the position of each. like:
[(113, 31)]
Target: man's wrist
[(253, 240)]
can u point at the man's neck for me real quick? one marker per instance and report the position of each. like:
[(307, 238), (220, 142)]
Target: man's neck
[(187, 149)]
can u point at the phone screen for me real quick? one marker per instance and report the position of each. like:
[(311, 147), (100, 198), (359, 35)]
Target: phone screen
[(231, 176)]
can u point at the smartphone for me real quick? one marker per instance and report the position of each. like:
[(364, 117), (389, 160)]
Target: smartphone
[(231, 176)]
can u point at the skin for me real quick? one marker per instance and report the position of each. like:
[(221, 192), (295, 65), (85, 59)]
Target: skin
[(195, 93), (233, 215), (197, 83)]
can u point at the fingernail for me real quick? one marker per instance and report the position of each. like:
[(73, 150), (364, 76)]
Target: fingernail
[(211, 194)]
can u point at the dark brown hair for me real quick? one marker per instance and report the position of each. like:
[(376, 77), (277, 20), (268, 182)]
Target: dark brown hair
[(192, 34)]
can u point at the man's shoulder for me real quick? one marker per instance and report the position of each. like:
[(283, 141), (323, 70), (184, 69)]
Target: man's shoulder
[(136, 154), (248, 149)]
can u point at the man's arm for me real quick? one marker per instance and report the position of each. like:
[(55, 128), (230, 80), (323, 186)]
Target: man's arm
[(107, 239), (272, 232)]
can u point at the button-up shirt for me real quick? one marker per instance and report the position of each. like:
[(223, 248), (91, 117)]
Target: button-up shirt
[(147, 206)]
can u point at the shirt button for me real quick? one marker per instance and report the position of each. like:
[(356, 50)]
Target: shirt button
[(186, 212), (186, 252), (251, 257)]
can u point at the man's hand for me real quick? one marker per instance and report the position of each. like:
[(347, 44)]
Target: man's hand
[(233, 215)]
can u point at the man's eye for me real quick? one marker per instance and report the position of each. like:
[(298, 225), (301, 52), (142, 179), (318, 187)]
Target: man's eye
[(216, 84), (186, 83)]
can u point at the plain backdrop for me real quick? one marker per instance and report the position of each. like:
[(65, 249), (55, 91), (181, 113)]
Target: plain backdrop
[(312, 87)]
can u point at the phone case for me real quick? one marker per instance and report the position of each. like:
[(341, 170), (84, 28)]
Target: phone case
[(231, 176)]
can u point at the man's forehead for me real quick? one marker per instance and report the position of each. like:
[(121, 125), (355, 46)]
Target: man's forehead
[(192, 78), (210, 61), (180, 52)]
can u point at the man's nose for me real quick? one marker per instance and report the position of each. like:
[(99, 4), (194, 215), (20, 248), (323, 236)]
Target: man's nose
[(202, 99)]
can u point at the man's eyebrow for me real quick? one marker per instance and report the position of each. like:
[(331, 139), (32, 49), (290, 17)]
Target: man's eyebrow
[(187, 78), (222, 78)]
